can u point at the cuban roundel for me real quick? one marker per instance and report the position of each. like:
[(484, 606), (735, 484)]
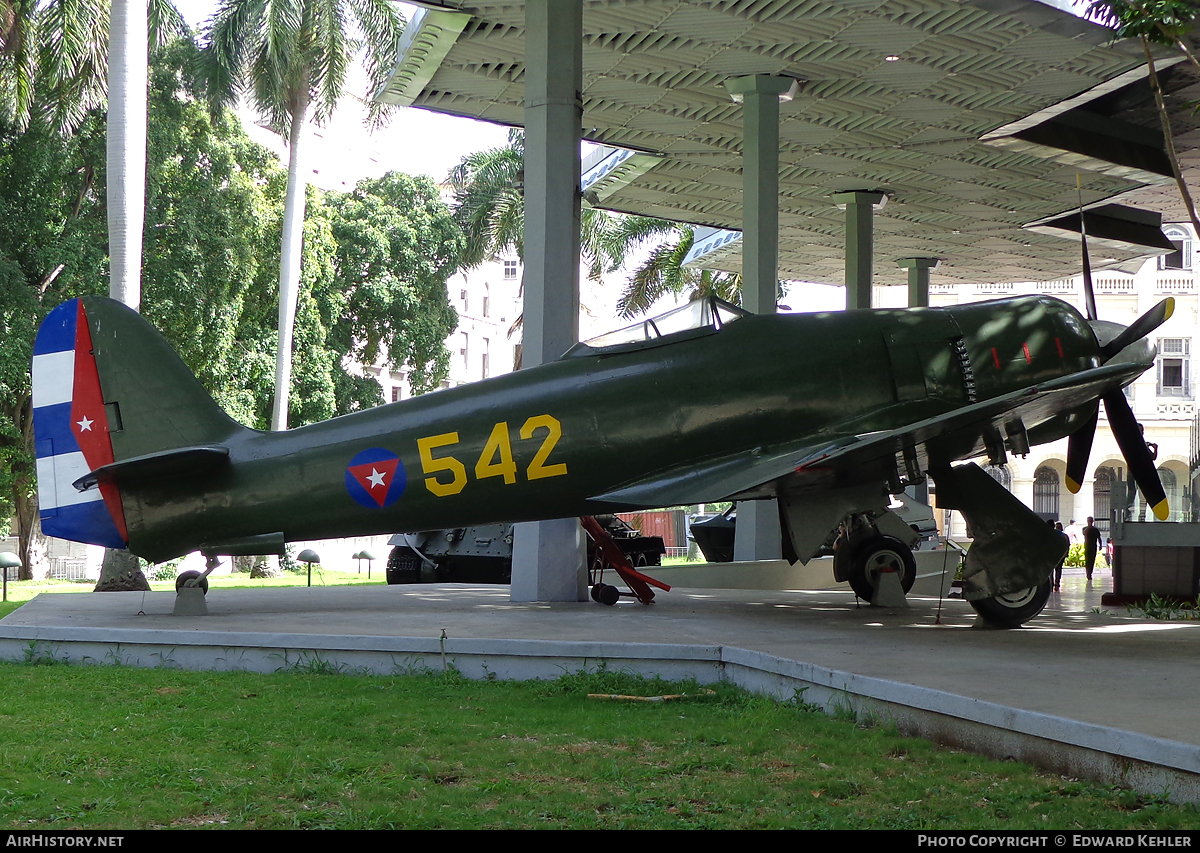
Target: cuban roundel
[(375, 478)]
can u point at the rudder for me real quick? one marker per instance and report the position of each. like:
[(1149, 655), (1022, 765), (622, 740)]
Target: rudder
[(108, 388)]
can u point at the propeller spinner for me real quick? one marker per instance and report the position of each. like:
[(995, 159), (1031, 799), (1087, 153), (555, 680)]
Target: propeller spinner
[(1125, 428)]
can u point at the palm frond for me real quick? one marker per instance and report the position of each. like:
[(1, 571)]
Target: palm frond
[(165, 24)]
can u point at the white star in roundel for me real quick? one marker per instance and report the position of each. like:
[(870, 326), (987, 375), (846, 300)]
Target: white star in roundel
[(376, 478), (85, 425)]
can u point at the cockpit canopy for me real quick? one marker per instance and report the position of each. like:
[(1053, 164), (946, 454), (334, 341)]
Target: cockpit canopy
[(700, 317)]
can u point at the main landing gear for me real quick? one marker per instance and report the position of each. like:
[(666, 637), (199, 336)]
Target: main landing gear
[(1013, 609), (869, 547), (876, 556)]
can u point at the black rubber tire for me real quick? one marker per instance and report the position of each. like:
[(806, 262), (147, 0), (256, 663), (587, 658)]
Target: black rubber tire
[(183, 578), (1013, 609), (608, 595), (595, 592), (875, 553), (403, 566)]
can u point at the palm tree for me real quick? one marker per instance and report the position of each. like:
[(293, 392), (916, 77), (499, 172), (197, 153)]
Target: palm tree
[(292, 57), (663, 272), (488, 201), (489, 207), (54, 65)]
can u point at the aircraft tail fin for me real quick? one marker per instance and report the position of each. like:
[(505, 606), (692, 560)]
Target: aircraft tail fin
[(108, 388)]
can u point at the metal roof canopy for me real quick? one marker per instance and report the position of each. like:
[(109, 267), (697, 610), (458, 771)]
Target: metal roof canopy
[(895, 94)]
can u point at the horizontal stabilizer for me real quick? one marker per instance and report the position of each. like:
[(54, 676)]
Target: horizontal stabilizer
[(158, 466)]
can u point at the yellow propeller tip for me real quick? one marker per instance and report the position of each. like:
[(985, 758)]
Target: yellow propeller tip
[(1170, 300), (1073, 487), (1161, 510)]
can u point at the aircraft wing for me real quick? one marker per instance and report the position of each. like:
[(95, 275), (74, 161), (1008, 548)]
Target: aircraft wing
[(816, 462)]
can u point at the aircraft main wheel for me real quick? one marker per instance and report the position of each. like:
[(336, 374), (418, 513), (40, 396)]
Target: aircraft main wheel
[(1013, 609), (182, 580), (876, 555)]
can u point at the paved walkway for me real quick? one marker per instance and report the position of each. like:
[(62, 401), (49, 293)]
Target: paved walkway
[(1129, 677)]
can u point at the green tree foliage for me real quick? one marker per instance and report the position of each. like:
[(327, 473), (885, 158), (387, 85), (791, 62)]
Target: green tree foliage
[(211, 211), (1160, 21), (397, 244), (375, 266), (291, 57), (52, 248)]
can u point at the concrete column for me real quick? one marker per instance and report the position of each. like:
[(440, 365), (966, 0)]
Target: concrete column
[(1084, 503), (757, 536), (918, 279), (549, 556), (860, 207)]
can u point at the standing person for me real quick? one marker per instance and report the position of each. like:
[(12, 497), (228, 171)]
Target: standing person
[(1091, 544), (1057, 525)]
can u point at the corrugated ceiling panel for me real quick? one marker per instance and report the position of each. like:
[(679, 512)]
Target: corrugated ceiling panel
[(655, 73)]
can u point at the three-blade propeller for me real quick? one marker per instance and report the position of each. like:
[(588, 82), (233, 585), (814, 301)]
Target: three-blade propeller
[(1125, 428)]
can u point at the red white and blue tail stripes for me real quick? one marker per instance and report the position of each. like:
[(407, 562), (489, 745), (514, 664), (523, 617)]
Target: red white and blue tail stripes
[(71, 433)]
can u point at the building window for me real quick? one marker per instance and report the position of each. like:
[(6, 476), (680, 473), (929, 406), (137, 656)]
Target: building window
[(1174, 375), (487, 346), (1102, 497), (1045, 492), (1000, 474), (395, 393), (510, 269), (1181, 258)]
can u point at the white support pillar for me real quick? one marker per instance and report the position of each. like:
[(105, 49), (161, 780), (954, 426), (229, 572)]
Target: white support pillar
[(549, 556), (918, 279), (860, 207), (757, 536)]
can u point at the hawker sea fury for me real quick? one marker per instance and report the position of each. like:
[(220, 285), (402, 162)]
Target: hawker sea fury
[(829, 413)]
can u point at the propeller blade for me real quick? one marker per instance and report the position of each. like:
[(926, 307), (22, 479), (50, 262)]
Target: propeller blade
[(1089, 291), (1079, 448), (1140, 327), (1137, 456)]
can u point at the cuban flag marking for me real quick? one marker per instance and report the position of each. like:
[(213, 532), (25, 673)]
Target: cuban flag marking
[(71, 433), (375, 478)]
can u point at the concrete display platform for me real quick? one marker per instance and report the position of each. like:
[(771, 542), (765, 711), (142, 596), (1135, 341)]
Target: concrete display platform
[(1081, 693)]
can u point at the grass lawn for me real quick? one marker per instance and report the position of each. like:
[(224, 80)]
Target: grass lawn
[(122, 748)]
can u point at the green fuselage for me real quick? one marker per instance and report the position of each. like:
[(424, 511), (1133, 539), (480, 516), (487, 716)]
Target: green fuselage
[(539, 443)]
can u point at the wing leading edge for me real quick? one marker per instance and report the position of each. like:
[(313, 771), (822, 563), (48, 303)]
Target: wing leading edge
[(812, 463)]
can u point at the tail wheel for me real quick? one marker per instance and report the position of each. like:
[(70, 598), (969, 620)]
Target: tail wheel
[(1013, 609), (876, 556), (183, 580)]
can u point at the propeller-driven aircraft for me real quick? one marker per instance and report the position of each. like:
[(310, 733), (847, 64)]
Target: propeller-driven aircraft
[(829, 413)]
